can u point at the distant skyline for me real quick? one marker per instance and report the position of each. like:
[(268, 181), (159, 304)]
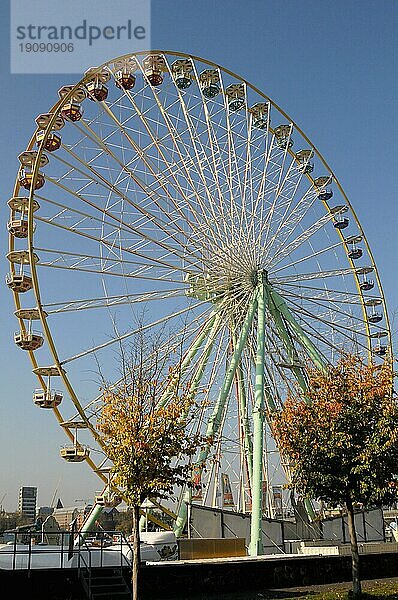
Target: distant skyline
[(328, 64)]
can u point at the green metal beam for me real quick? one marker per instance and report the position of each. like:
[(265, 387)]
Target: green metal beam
[(90, 521), (244, 417), (216, 417), (256, 542), (284, 336), (206, 353), (210, 330), (191, 353), (282, 315), (280, 305)]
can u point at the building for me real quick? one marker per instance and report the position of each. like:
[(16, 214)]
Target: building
[(65, 515), (43, 512), (27, 502)]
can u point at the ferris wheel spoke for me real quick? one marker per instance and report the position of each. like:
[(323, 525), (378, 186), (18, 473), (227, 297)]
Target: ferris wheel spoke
[(348, 333), (140, 234), (108, 244), (83, 217), (275, 179), (178, 142), (338, 295), (167, 347), (314, 254), (201, 154), (211, 111), (292, 182), (155, 221), (86, 218), (111, 302), (248, 184), (232, 168), (119, 193), (155, 142), (296, 243), (297, 214), (310, 276), (80, 259), (110, 273), (120, 338), (331, 310), (246, 226), (158, 177), (334, 339), (216, 198), (325, 295), (96, 263), (198, 230), (283, 199), (260, 199)]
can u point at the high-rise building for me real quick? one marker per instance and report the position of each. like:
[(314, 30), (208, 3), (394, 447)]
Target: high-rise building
[(27, 502)]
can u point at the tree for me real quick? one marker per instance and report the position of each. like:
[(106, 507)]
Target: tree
[(146, 439), (341, 440), (9, 521)]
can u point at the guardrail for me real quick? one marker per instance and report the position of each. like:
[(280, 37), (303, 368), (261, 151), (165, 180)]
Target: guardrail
[(29, 550)]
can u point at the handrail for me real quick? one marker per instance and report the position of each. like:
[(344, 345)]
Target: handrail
[(29, 545)]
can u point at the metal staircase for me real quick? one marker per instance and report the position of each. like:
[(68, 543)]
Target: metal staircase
[(104, 584)]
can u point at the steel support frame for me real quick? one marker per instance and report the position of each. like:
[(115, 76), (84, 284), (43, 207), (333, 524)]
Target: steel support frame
[(210, 331), (283, 317), (216, 417), (277, 305)]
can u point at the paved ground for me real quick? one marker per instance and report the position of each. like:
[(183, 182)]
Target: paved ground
[(299, 592), (318, 589)]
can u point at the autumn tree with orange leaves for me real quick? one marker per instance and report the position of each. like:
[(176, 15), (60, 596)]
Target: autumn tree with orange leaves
[(145, 436), (341, 440)]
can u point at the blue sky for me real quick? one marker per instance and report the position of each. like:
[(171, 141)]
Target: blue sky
[(331, 65)]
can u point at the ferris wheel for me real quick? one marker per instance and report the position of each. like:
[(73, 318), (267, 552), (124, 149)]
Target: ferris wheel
[(162, 180)]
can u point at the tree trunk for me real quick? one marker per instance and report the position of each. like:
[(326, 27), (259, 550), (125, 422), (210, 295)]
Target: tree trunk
[(135, 579), (356, 582)]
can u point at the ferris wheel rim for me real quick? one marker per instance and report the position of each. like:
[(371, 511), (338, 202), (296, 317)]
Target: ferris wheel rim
[(55, 110), (78, 84)]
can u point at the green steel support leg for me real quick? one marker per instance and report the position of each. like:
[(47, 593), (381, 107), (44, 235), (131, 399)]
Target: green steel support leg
[(279, 309), (287, 343), (190, 355), (90, 522), (304, 340), (206, 353), (247, 440), (256, 542), (211, 331), (216, 417)]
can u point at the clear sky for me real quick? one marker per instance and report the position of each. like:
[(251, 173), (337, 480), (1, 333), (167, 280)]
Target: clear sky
[(330, 64)]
